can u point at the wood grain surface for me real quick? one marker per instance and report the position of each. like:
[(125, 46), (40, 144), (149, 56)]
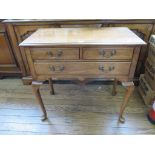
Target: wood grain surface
[(83, 36)]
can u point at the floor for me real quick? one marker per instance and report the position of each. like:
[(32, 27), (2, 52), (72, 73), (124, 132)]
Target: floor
[(75, 109)]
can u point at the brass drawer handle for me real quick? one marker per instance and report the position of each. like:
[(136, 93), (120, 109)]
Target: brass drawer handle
[(57, 68), (103, 53), (50, 54), (57, 55), (102, 68)]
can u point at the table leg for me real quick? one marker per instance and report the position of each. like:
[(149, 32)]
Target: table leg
[(129, 90), (114, 91), (51, 86), (35, 87)]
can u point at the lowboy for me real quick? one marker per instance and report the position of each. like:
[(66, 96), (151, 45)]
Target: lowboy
[(83, 53)]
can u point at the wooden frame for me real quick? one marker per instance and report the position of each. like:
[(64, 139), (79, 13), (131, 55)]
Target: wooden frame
[(125, 76)]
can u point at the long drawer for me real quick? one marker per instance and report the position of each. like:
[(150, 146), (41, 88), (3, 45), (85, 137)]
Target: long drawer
[(55, 53), (108, 53), (76, 68)]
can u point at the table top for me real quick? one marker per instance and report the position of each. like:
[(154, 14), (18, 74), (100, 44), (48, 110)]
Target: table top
[(83, 36), (79, 21)]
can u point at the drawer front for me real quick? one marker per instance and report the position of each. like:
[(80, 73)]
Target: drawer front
[(55, 53), (82, 68), (107, 53)]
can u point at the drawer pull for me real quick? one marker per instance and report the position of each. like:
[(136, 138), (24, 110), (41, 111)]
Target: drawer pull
[(57, 68), (50, 53), (59, 53), (102, 68), (110, 54), (111, 68)]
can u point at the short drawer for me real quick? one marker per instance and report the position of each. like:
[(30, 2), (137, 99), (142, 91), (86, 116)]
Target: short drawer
[(108, 53), (55, 53), (82, 68)]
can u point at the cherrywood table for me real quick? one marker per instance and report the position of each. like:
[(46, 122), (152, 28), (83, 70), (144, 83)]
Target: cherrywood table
[(83, 53)]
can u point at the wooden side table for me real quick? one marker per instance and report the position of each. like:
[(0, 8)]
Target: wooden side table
[(83, 53)]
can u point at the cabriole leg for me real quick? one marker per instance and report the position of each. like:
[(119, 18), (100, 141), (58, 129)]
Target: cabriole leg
[(35, 86), (129, 90)]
